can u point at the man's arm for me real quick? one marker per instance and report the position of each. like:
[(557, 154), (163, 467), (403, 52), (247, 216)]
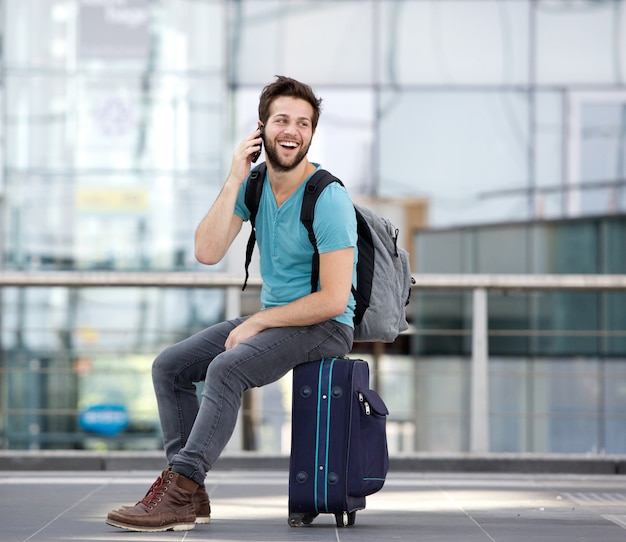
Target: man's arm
[(220, 226), (330, 301)]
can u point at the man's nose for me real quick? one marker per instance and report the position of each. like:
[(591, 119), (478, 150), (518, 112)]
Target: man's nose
[(291, 128)]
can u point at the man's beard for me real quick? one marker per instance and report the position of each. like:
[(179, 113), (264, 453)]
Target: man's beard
[(281, 165)]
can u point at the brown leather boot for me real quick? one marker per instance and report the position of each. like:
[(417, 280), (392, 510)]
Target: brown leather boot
[(200, 501), (167, 506), (202, 505)]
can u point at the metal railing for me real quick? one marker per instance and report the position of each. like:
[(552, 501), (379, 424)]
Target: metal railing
[(478, 284), (193, 279)]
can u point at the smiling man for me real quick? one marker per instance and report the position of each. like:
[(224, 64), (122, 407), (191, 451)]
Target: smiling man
[(294, 326)]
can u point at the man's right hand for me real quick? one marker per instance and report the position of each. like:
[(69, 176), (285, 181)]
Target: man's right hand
[(242, 157)]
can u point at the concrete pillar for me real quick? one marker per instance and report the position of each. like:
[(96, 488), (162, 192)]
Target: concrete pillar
[(479, 399), (233, 302)]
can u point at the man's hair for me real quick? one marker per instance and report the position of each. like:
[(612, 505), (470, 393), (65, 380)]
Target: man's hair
[(285, 86)]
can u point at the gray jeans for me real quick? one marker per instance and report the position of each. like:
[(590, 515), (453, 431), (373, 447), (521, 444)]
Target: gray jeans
[(195, 435)]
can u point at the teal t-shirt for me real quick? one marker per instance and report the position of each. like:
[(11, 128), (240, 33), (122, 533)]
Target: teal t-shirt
[(284, 246)]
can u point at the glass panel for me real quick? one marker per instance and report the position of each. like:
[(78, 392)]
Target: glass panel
[(193, 36), (596, 201), (566, 324), (604, 141), (615, 406), (67, 350), (509, 315), (566, 247), (111, 162), (396, 384), (438, 316), (442, 406), (614, 241), (47, 396), (443, 321), (614, 313), (38, 121), (438, 42), (440, 252), (597, 149), (564, 406), (432, 143), (202, 103), (502, 249), (508, 404), (549, 155), (40, 394), (614, 303), (51, 22), (108, 31), (576, 43), (266, 39), (124, 124), (105, 318), (505, 249), (549, 205), (120, 381), (98, 224), (185, 35)]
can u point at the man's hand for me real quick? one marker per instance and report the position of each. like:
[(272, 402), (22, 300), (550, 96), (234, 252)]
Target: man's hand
[(249, 328), (242, 157)]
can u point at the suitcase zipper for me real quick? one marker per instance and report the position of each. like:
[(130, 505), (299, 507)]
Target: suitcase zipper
[(366, 405)]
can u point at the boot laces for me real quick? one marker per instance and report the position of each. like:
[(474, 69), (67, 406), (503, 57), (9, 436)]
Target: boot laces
[(156, 491)]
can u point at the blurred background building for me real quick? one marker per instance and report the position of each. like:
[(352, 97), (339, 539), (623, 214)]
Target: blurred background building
[(493, 130)]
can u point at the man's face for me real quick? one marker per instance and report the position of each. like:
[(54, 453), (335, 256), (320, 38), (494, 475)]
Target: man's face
[(288, 132)]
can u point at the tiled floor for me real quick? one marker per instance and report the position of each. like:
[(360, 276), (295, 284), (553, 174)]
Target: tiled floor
[(252, 506)]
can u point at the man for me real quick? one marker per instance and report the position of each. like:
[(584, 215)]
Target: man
[(295, 326)]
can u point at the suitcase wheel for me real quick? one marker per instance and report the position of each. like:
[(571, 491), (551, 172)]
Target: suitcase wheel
[(345, 519), (295, 520)]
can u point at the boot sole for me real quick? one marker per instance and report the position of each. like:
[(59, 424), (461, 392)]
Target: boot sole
[(161, 528), (200, 520)]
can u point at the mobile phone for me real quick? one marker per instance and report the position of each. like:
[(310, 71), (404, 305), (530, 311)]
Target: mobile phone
[(255, 155)]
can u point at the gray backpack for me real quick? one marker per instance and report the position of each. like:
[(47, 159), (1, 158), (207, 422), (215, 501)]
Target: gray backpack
[(384, 278)]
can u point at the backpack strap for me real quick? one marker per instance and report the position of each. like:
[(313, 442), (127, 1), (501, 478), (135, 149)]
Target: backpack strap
[(254, 189), (314, 187), (365, 267)]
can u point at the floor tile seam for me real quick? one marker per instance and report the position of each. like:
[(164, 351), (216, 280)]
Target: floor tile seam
[(467, 514), (61, 514), (617, 519)]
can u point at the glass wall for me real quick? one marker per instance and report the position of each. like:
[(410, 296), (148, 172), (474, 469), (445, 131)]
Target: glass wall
[(117, 129), (121, 117), (556, 323), (557, 360), (115, 119)]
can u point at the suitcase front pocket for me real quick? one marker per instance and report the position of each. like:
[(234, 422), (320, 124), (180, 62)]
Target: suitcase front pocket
[(369, 456)]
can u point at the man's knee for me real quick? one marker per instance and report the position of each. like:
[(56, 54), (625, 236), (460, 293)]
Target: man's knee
[(226, 370), (164, 363)]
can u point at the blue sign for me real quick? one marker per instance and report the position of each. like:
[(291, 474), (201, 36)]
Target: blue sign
[(108, 420)]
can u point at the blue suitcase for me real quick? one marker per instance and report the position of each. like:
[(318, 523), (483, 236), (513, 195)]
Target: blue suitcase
[(338, 441)]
